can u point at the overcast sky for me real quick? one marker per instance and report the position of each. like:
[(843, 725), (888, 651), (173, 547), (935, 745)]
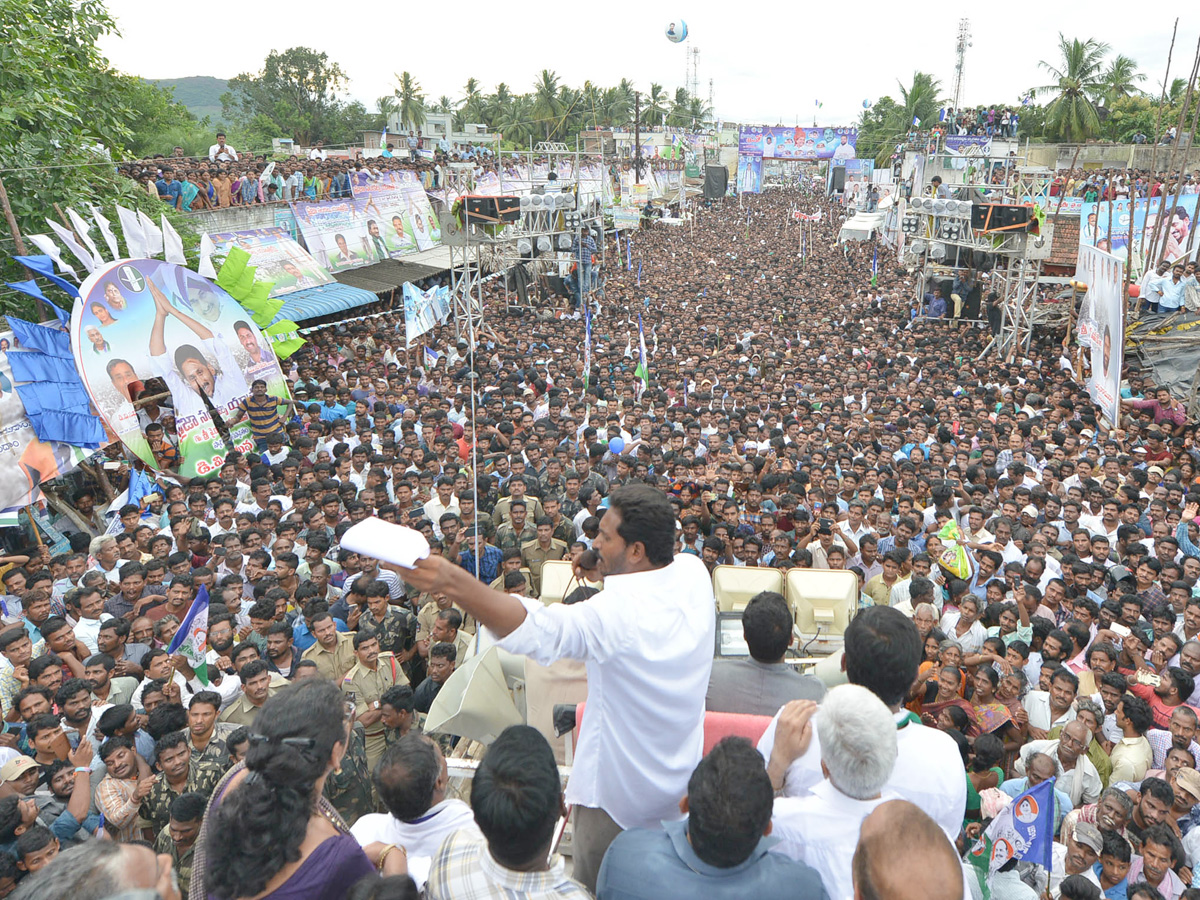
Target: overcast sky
[(769, 62)]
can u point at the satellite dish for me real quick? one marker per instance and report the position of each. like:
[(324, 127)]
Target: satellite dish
[(677, 31)]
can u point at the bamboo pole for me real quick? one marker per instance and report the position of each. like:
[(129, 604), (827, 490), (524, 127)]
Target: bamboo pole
[(1162, 207), (1154, 147), (22, 249)]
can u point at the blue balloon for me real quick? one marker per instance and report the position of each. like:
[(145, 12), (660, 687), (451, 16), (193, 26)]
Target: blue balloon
[(866, 104), (677, 31), (616, 445)]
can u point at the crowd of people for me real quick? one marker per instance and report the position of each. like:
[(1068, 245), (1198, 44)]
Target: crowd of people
[(1028, 609), (992, 121), (226, 177)]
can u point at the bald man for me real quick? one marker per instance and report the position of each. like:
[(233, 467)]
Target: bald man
[(902, 854)]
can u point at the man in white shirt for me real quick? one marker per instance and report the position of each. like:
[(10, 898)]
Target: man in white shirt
[(411, 777), (221, 151), (858, 752), (647, 640), (318, 152), (882, 653)]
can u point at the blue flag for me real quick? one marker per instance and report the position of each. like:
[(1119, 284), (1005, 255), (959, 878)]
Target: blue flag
[(431, 357), (31, 289), (1025, 830), (44, 266), (50, 341), (191, 640)]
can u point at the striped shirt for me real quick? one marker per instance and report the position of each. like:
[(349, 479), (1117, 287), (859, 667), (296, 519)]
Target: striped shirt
[(263, 415)]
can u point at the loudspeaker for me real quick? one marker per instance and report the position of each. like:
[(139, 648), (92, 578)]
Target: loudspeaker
[(839, 178), (492, 210), (716, 182), (989, 217), (475, 701)]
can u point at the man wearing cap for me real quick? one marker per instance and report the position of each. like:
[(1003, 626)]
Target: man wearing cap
[(20, 775), (1078, 852)]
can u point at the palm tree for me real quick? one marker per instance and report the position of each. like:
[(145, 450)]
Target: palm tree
[(547, 108), (1077, 78), (444, 105), (412, 102), (516, 120), (1176, 91), (387, 107), (919, 100), (678, 115), (1120, 79), (656, 105)]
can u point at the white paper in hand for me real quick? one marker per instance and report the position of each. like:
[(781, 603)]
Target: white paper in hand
[(387, 541)]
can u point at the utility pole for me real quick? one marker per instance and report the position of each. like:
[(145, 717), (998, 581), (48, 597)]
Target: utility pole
[(637, 137)]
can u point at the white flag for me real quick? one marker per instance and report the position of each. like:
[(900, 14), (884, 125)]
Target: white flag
[(106, 231), (207, 249), (46, 244), (82, 228), (67, 238), (135, 237), (172, 244), (154, 238)]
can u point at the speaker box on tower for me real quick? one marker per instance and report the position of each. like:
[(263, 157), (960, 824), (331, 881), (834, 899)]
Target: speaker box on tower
[(492, 210), (839, 178)]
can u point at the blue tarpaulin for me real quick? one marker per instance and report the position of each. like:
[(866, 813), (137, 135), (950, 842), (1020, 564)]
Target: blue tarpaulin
[(322, 300)]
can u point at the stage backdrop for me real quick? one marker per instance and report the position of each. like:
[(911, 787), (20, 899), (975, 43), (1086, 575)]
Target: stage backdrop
[(278, 258), (139, 319), (800, 142)]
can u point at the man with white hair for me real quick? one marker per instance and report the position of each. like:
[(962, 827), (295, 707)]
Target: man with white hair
[(103, 556), (858, 752)]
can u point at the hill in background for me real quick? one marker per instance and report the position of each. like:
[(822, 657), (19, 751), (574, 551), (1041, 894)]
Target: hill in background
[(201, 94)]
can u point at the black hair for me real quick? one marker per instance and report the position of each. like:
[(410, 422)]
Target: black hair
[(767, 624), (113, 719), (169, 740), (399, 697), (1138, 712), (1159, 790), (255, 832), (70, 688), (729, 803), (1116, 846), (883, 650), (34, 838), (406, 776), (188, 807), (648, 518), (517, 796), (166, 718)]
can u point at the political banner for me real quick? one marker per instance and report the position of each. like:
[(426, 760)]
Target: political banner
[(975, 144), (749, 177), (1024, 830), (800, 142), (147, 325), (278, 258), (386, 219), (1108, 226), (1101, 328), (423, 310), (25, 461)]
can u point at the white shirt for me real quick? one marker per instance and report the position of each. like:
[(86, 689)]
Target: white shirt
[(1082, 784), (647, 640), (420, 839), (927, 771), (87, 630), (216, 154), (822, 831), (434, 510), (316, 153), (1037, 705)]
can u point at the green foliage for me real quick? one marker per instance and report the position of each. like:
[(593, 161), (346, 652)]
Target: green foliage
[(888, 122), (295, 95), (411, 100), (64, 115), (201, 94), (1077, 77)]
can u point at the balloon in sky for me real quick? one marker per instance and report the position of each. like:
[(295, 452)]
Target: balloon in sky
[(866, 104), (677, 31), (616, 445)]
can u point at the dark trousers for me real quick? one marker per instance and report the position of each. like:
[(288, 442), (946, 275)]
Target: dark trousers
[(594, 831)]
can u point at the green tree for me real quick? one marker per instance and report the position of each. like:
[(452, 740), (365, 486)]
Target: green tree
[(296, 91), (1078, 77), (655, 110), (547, 107), (1120, 79), (65, 114), (877, 130), (412, 102), (921, 100), (387, 107)]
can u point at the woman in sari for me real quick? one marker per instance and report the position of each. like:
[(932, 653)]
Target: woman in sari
[(949, 683), (991, 715)]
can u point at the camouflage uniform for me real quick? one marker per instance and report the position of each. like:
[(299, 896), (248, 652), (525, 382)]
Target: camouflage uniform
[(203, 776), (349, 788), (182, 861)]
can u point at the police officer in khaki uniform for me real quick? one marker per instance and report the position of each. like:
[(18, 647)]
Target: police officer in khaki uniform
[(366, 681), (333, 652)]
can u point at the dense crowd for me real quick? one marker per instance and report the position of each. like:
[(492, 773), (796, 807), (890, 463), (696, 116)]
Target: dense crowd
[(1028, 606), (227, 178)]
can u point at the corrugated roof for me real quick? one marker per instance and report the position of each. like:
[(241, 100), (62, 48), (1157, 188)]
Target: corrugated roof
[(383, 277), (323, 300)]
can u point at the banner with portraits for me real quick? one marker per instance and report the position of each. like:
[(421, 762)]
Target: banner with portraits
[(749, 177), (1109, 226), (799, 142), (143, 327), (278, 258), (1101, 328), (387, 218)]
